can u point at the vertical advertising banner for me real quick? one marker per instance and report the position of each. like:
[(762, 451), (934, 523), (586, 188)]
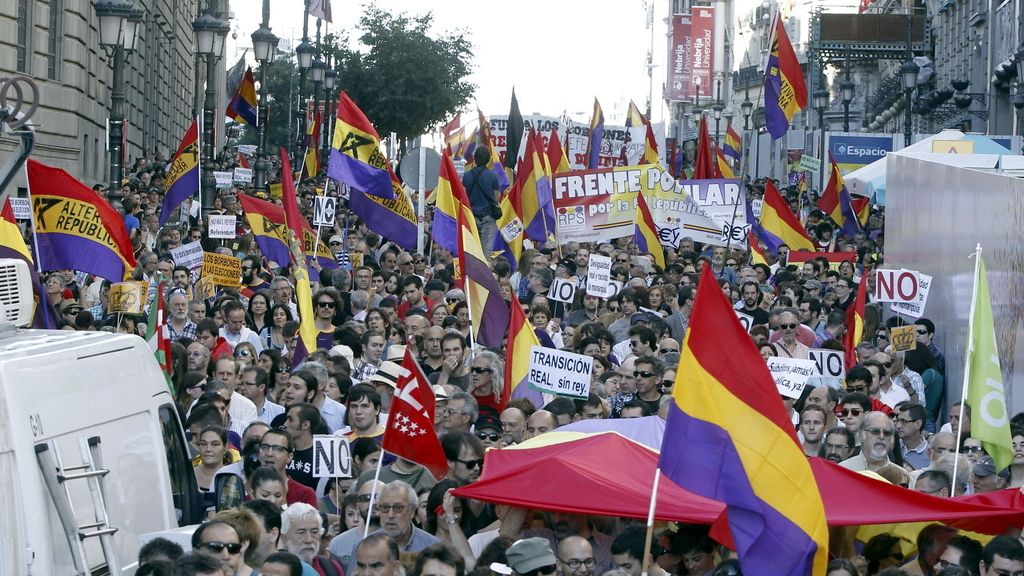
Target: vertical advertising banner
[(702, 29), (680, 59)]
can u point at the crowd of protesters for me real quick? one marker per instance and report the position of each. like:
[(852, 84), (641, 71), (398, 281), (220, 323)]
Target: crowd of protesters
[(250, 412)]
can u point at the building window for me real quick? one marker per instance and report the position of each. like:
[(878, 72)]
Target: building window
[(24, 29), (53, 43)]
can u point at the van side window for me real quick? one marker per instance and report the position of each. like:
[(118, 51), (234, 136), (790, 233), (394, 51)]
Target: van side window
[(187, 500)]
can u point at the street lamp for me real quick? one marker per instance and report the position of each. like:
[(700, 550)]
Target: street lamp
[(304, 53), (264, 45), (846, 88), (821, 103), (908, 72), (747, 107), (119, 27), (210, 33), (717, 109), (330, 81)]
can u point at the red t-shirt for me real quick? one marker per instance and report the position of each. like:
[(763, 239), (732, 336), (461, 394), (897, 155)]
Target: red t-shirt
[(300, 493)]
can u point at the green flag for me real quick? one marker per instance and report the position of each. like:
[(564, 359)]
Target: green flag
[(984, 380)]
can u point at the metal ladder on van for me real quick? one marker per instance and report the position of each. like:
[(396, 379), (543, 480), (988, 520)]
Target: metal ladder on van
[(56, 476)]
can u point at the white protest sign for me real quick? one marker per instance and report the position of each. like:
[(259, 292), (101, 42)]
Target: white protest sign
[(756, 205), (248, 149), (562, 290), (243, 175), (828, 363), (915, 309), (512, 229), (324, 210), (332, 457), (559, 372), (222, 226), (613, 288), (896, 285), (223, 179), (745, 320), (188, 255), (21, 207), (790, 374), (599, 273)]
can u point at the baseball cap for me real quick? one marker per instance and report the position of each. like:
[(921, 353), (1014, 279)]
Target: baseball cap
[(639, 317), (812, 285), (69, 304), (569, 265), (487, 420), (525, 556), (334, 239), (987, 467)]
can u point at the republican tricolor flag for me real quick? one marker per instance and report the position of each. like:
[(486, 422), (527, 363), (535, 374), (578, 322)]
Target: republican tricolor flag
[(355, 157), (645, 232)]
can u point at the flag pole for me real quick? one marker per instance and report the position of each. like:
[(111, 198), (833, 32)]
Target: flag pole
[(373, 496), (967, 363), (650, 522), (32, 222)]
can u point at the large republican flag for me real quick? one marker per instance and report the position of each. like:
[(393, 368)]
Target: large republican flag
[(306, 342), (836, 202), (266, 220), (779, 225), (855, 323), (785, 91), (355, 157), (75, 228), (645, 232), (521, 339), (594, 140), (728, 438), (183, 176)]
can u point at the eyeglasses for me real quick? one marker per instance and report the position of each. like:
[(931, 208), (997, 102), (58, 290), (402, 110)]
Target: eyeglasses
[(666, 350), (365, 497), (575, 564), (851, 412), (275, 448), (491, 437), (972, 449), (642, 374), (324, 304), (613, 308), (542, 570), (789, 326), (883, 432), (835, 447), (450, 411), (216, 547), (334, 243), (480, 370), (907, 420), (388, 508), (472, 464)]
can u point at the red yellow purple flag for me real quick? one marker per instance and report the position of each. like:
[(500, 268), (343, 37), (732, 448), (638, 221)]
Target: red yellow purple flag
[(355, 157), (729, 438), (75, 228), (645, 232)]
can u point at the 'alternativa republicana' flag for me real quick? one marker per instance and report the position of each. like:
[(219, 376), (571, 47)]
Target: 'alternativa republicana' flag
[(785, 92), (75, 228), (355, 157), (242, 107), (306, 341), (983, 376), (728, 437), (183, 176), (266, 220)]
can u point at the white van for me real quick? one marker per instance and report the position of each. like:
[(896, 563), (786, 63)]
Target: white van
[(92, 451)]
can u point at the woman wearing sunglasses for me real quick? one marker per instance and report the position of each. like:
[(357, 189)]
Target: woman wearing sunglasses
[(486, 376), (245, 354)]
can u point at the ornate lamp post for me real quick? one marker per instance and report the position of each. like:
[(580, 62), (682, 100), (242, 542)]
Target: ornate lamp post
[(210, 33), (821, 103), (908, 72), (264, 44)]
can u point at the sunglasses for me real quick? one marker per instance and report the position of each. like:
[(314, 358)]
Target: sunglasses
[(472, 464), (492, 437), (216, 547), (972, 449), (479, 370), (365, 497), (883, 432), (788, 326), (243, 354), (922, 332), (325, 304), (542, 570), (666, 350), (851, 412), (642, 374), (667, 383), (882, 336)]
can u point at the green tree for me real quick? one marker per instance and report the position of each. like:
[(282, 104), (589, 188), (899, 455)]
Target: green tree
[(404, 79)]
